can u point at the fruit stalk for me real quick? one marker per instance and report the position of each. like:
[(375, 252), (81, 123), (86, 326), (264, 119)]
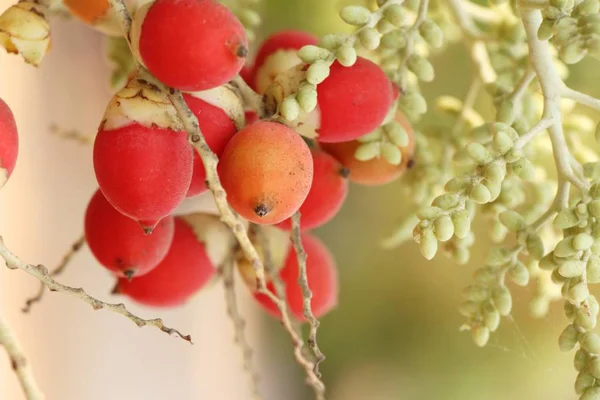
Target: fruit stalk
[(41, 273), (239, 325), (75, 247), (19, 362), (210, 161), (306, 292)]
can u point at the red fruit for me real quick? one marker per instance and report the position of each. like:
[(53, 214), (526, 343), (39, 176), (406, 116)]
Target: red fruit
[(278, 54), (190, 44), (119, 244), (266, 170), (322, 280), (185, 270), (144, 173), (327, 193), (247, 74), (9, 142), (251, 117), (353, 101), (142, 158), (376, 171), (217, 129)]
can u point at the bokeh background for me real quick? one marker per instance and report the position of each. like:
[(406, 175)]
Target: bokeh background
[(394, 336)]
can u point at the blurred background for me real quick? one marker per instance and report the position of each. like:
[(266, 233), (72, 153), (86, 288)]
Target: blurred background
[(394, 336)]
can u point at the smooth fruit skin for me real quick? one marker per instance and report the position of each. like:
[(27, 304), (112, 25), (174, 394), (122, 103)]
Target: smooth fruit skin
[(181, 274), (267, 171), (143, 172), (251, 117), (9, 142), (376, 171), (192, 44), (322, 277), (119, 244), (247, 74), (217, 129), (327, 193), (353, 101)]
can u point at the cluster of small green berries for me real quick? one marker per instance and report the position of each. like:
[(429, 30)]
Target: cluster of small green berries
[(574, 26), (484, 186), (425, 175), (385, 142), (386, 34), (335, 47), (246, 12), (488, 298), (509, 58), (575, 263)]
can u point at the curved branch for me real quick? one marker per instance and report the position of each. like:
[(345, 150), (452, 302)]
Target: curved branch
[(306, 292), (75, 247), (41, 273), (239, 324), (580, 97), (19, 363)]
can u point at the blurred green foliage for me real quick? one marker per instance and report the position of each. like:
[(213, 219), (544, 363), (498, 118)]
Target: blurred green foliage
[(397, 311)]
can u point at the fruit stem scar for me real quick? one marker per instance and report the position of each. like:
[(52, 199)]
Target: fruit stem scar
[(262, 210)]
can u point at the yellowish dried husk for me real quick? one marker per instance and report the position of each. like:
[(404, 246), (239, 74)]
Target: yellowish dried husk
[(279, 246), (226, 98), (136, 30), (24, 29), (284, 85), (214, 234), (108, 24), (276, 64), (142, 103)]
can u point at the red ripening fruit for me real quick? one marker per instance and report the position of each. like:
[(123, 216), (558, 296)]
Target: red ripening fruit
[(119, 244), (143, 172), (353, 101), (327, 193), (376, 171), (190, 44), (251, 117), (182, 273), (278, 54), (266, 170), (217, 129), (322, 278), (247, 74), (9, 142)]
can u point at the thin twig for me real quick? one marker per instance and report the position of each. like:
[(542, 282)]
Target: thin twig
[(533, 132), (75, 247), (552, 88), (239, 325), (251, 99), (581, 98), (411, 37), (230, 218), (306, 292), (19, 362), (71, 135), (41, 273)]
